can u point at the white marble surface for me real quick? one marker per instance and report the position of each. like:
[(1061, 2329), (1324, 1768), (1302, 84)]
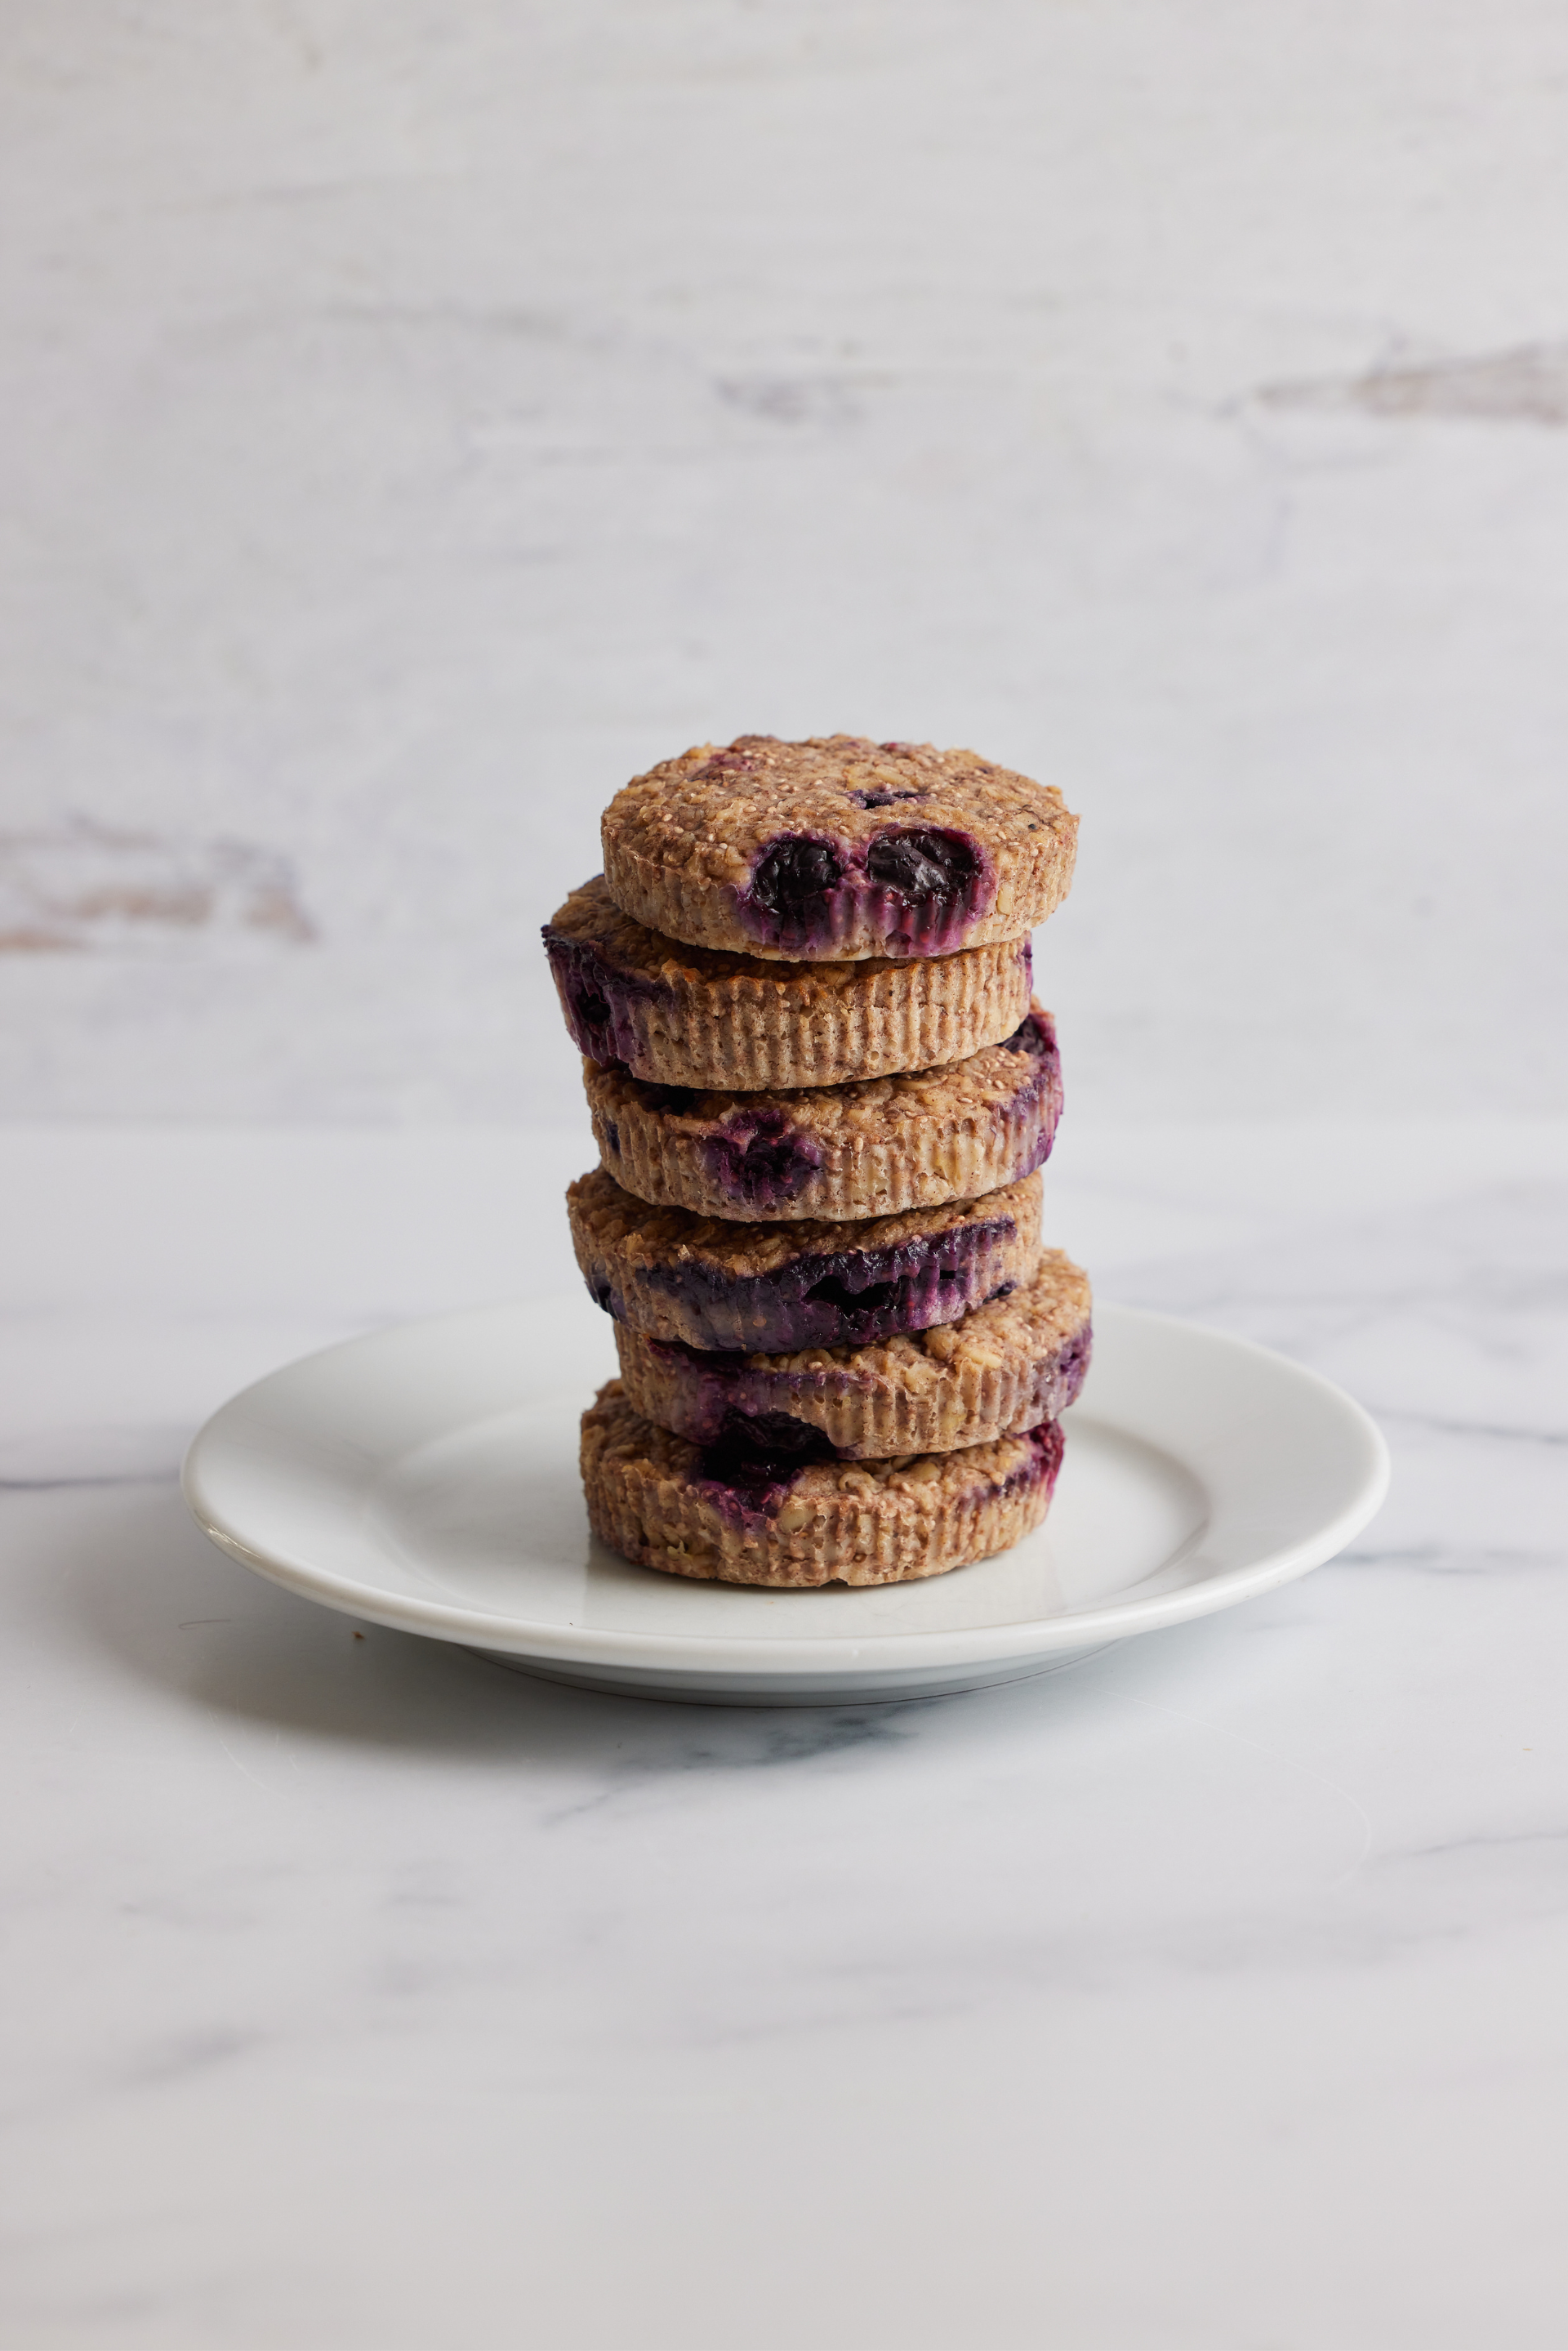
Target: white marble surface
[(416, 420), (1206, 1996)]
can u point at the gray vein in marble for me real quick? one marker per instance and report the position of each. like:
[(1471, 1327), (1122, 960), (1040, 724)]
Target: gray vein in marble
[(85, 1454), (792, 400), (89, 888), (194, 2053), (1438, 1559), (808, 1736), (1499, 1838), (108, 1478), (217, 201), (1525, 385), (1443, 1427)]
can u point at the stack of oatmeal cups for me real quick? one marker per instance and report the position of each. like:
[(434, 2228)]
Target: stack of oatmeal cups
[(820, 1093)]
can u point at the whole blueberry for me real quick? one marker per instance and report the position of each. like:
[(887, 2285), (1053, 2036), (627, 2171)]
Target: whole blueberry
[(793, 876), (924, 863)]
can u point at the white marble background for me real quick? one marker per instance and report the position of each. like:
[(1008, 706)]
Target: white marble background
[(415, 419)]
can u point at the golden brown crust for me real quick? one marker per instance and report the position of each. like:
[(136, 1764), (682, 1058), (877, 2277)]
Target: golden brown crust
[(684, 1015), (713, 1283), (1003, 1368), (861, 1523), (867, 1149), (689, 848)]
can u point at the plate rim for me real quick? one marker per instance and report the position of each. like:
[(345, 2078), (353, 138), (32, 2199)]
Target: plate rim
[(827, 1656)]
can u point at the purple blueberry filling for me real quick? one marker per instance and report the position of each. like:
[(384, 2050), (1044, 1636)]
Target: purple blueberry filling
[(712, 1393), (749, 1467), (677, 1099), (734, 760), (932, 882), (1034, 1034), (751, 1464), (840, 1298), (883, 800), (756, 1157), (795, 890), (712, 1389), (1046, 1445), (597, 998), (1029, 1116), (918, 888), (921, 864), (1072, 1367)]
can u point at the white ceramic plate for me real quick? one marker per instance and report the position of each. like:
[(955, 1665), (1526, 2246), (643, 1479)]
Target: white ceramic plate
[(427, 1477)]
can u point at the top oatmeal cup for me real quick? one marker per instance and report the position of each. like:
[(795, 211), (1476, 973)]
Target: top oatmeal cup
[(836, 848)]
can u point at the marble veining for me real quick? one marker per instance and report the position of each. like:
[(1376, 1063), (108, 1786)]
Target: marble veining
[(1527, 386), (87, 888)]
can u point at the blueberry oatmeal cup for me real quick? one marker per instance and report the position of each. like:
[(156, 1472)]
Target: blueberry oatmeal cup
[(701, 1016), (870, 1148), (771, 1507), (837, 848), (710, 1283), (1002, 1370)]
